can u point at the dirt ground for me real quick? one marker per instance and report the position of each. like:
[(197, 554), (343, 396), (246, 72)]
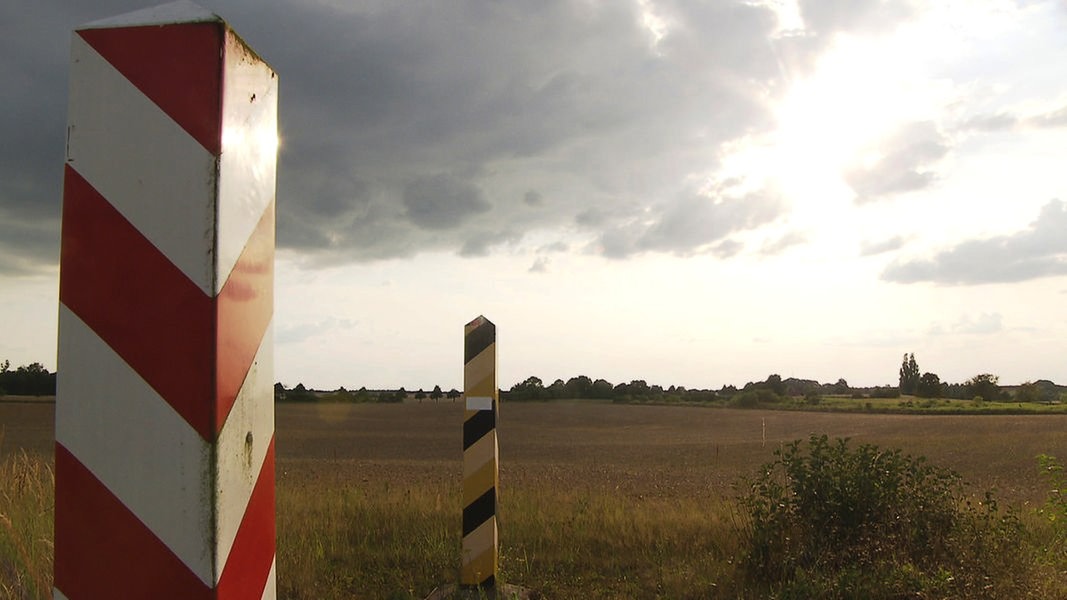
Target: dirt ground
[(636, 451)]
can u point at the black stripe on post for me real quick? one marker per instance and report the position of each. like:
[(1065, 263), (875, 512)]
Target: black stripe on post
[(478, 340), (478, 426), (479, 511)]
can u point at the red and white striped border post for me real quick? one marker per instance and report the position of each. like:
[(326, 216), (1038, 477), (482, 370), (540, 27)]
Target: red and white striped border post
[(164, 414)]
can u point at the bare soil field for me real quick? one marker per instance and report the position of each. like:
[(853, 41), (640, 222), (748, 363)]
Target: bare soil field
[(626, 450)]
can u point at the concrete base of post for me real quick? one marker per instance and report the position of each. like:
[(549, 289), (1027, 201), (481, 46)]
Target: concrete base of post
[(504, 591)]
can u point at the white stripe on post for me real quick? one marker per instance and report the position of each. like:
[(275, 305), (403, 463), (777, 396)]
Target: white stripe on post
[(164, 409)]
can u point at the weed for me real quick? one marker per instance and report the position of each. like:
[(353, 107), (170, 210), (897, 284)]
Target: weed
[(832, 521)]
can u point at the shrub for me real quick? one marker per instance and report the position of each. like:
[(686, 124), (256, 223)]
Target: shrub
[(830, 521), (1055, 509)]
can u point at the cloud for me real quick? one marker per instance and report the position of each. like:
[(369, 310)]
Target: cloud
[(905, 164), (27, 246), (300, 332), (533, 198), (872, 248), (409, 127), (1056, 118), (554, 247), (989, 123), (727, 248), (984, 324), (825, 17), (481, 243), (781, 244), (1036, 252), (442, 202), (692, 224), (540, 265)]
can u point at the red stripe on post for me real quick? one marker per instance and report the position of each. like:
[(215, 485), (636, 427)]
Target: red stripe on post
[(178, 67), (245, 308), (103, 551), (246, 571), (138, 302)]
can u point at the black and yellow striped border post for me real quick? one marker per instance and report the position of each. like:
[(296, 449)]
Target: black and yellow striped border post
[(480, 471)]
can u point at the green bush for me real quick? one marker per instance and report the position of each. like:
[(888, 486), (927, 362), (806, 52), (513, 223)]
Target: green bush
[(829, 521), (1055, 509)]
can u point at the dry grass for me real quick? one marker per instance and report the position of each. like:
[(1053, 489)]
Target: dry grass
[(26, 491), (597, 501)]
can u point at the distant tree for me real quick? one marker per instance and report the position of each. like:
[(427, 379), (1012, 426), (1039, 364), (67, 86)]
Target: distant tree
[(841, 387), (453, 394), (419, 395), (1029, 392), (401, 395), (532, 388), (639, 387), (909, 375), (885, 392), (436, 394), (341, 395), (929, 386), (279, 392), (301, 394), (557, 390), (601, 389), (28, 380), (578, 387), (774, 383), (956, 391), (983, 386)]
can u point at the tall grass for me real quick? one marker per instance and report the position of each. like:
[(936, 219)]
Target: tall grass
[(373, 540), (366, 542), (26, 508)]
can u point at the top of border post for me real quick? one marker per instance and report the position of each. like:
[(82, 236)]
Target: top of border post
[(173, 13), (479, 321)]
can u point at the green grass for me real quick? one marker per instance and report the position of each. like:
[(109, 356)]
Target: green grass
[(901, 405)]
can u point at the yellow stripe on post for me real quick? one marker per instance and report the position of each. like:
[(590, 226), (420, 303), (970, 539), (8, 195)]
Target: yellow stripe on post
[(481, 474)]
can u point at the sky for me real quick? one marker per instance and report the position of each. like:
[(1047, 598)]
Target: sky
[(689, 193)]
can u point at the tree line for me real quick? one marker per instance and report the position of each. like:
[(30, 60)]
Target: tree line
[(28, 380), (984, 386), (35, 380)]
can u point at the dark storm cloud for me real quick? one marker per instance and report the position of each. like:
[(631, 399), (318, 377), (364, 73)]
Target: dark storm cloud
[(569, 101), (442, 202), (906, 164), (533, 198), (1039, 251), (393, 94)]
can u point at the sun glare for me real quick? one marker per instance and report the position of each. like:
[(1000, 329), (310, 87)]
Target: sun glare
[(836, 118)]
